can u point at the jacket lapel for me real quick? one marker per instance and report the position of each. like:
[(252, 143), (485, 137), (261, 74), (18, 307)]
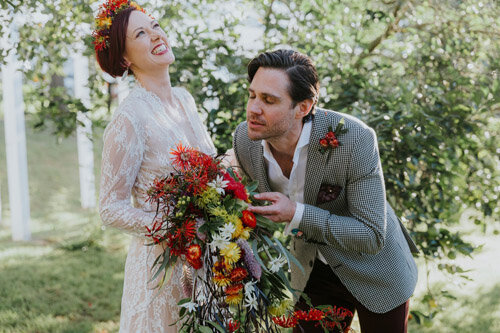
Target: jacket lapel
[(256, 152), (316, 161)]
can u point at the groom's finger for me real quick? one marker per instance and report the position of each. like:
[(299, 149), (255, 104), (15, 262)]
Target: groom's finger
[(271, 196), (262, 210)]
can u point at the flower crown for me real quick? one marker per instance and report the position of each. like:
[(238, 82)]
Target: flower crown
[(104, 19)]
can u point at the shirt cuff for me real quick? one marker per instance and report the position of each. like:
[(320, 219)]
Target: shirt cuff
[(297, 217)]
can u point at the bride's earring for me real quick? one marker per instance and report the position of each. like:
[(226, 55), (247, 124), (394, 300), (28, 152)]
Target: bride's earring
[(124, 75)]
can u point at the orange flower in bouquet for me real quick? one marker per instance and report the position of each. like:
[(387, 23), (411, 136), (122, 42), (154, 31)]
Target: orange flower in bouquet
[(202, 219)]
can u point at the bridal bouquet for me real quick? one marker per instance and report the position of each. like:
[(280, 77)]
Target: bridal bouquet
[(238, 283)]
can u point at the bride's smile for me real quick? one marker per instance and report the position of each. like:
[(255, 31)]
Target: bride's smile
[(145, 33)]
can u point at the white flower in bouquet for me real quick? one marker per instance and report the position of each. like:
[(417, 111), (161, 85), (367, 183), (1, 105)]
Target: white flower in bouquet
[(219, 241), (190, 306), (249, 288), (250, 298), (227, 230), (251, 301), (219, 184), (277, 263)]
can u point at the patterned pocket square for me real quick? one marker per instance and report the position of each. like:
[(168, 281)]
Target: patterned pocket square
[(328, 192)]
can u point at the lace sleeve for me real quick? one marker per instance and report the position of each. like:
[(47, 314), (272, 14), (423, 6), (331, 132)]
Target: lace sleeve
[(121, 160)]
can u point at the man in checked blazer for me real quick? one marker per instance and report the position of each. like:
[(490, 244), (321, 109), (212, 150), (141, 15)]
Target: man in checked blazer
[(353, 248)]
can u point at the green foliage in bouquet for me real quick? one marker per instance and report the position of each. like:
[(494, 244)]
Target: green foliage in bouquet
[(236, 276)]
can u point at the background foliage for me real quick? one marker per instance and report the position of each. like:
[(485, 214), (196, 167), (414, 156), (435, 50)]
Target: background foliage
[(423, 74)]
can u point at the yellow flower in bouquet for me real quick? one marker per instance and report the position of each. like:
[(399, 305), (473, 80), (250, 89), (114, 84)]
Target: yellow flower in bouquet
[(231, 253), (234, 294), (238, 225), (209, 196), (219, 212), (281, 308)]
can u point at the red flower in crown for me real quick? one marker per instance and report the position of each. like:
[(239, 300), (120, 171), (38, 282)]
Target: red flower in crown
[(330, 140), (107, 12)]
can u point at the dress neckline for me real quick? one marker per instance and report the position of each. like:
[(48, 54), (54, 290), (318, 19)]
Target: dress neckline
[(175, 99)]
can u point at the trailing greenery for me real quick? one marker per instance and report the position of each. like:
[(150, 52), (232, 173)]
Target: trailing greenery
[(423, 74)]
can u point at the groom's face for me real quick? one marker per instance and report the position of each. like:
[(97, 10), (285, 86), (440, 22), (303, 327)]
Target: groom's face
[(270, 110)]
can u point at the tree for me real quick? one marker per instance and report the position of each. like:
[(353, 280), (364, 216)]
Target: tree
[(423, 74)]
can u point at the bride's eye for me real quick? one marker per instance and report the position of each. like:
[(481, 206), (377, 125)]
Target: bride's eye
[(139, 33), (156, 25)]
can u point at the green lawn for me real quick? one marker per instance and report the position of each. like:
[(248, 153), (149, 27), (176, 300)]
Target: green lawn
[(69, 278)]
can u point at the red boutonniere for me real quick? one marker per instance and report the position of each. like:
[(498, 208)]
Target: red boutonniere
[(330, 140)]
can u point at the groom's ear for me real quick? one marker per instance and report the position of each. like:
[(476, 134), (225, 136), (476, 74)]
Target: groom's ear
[(304, 107)]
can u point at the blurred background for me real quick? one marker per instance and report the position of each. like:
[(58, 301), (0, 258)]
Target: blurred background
[(423, 74)]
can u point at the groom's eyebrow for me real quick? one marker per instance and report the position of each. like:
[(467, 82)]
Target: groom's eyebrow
[(265, 94)]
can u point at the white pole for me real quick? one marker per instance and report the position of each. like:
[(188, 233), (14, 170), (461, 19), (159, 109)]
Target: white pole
[(84, 133), (0, 203), (15, 141)]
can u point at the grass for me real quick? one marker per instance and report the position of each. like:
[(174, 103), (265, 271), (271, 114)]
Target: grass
[(69, 278)]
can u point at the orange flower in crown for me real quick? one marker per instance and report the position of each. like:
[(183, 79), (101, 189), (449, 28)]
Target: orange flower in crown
[(104, 20)]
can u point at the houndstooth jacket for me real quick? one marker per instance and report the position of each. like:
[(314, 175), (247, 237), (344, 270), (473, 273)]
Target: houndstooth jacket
[(357, 231)]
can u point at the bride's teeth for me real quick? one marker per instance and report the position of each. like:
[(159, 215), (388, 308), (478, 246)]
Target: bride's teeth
[(159, 49)]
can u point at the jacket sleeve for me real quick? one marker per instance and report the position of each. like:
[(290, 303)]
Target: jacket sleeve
[(240, 135), (365, 230)]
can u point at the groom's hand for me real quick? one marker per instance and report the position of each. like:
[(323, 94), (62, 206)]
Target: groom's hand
[(281, 209)]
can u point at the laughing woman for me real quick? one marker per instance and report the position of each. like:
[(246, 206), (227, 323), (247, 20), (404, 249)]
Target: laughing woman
[(137, 144)]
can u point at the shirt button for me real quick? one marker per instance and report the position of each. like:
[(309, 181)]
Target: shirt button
[(311, 263)]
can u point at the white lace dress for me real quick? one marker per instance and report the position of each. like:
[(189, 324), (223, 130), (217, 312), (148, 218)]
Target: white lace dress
[(137, 146)]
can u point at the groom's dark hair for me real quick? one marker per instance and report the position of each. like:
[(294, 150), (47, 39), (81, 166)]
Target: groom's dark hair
[(304, 83)]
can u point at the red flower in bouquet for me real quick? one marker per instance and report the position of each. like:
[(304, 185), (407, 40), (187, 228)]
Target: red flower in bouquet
[(285, 321), (222, 273), (196, 264), (182, 156), (233, 326), (234, 294), (311, 315), (329, 318), (238, 274), (236, 187), (193, 252), (197, 181), (182, 236), (249, 219), (201, 220)]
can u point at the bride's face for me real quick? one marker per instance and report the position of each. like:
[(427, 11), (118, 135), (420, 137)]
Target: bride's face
[(146, 48)]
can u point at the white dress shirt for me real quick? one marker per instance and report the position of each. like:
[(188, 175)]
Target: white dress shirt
[(292, 187)]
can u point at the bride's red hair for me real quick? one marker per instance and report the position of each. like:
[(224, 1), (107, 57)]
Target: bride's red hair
[(111, 58)]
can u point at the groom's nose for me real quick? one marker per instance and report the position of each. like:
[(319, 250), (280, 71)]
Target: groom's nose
[(253, 106)]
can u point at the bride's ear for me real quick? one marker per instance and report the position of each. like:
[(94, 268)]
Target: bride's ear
[(126, 62)]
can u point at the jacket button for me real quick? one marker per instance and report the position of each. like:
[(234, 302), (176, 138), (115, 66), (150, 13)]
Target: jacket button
[(311, 263)]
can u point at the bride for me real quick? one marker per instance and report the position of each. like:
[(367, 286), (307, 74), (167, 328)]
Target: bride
[(137, 144)]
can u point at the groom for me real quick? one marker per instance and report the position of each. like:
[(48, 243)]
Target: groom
[(329, 190)]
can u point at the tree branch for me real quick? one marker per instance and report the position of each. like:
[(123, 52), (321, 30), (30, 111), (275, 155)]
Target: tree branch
[(397, 13), (267, 18)]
